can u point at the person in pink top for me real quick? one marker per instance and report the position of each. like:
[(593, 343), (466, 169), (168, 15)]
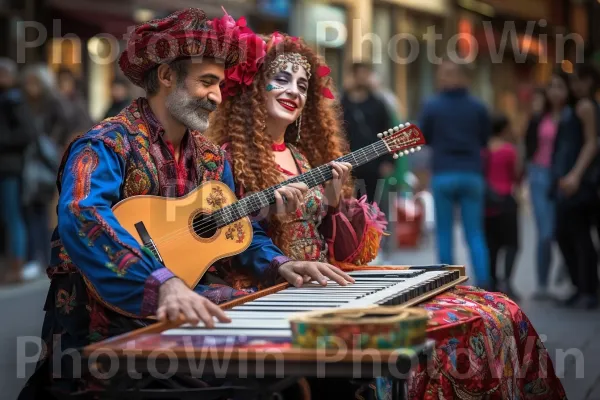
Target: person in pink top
[(539, 144), (502, 175)]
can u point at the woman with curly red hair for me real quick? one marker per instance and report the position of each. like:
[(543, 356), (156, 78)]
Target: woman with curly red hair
[(278, 120), (282, 125)]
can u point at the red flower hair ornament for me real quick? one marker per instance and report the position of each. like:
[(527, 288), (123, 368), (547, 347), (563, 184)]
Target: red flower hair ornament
[(252, 54)]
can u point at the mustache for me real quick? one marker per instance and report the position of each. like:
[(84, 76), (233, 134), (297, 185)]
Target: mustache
[(204, 103)]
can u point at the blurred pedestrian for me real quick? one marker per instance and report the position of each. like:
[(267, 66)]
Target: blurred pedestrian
[(395, 183), (366, 115), (78, 116), (16, 136), (503, 174), (52, 127), (539, 101), (576, 175), (120, 97), (457, 127), (539, 143)]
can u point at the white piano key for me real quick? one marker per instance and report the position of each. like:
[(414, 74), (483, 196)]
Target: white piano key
[(376, 279), (243, 323), (285, 296), (288, 300), (229, 332), (276, 308), (327, 291), (259, 315), (335, 285), (330, 292), (383, 272), (269, 302)]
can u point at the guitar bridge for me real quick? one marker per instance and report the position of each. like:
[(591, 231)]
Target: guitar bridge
[(147, 240)]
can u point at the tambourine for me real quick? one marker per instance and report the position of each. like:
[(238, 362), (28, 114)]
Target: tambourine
[(371, 327)]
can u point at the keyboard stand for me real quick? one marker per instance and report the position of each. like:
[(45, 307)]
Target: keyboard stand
[(247, 374)]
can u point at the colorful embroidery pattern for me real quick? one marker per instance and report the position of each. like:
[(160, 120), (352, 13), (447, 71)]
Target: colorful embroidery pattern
[(120, 261), (307, 243), (66, 301), (90, 230), (236, 232), (84, 165), (211, 160), (137, 183), (216, 199), (479, 354)]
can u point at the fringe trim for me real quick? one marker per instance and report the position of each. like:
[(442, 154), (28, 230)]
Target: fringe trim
[(374, 229)]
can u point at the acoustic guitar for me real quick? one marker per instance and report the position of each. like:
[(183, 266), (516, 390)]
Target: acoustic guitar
[(190, 233)]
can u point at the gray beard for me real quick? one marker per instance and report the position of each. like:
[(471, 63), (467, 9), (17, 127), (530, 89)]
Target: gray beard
[(185, 110)]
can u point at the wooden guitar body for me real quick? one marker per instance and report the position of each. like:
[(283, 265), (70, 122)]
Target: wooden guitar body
[(179, 229)]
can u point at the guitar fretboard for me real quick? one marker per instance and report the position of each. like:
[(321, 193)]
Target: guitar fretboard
[(316, 176)]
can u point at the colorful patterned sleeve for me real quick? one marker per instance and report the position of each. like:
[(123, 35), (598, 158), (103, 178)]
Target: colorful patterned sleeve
[(122, 275), (262, 257), (353, 232)]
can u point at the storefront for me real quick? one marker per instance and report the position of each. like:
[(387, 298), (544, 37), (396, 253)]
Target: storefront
[(413, 36), (326, 28), (88, 36), (513, 52)]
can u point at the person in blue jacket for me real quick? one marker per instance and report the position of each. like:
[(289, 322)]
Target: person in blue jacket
[(457, 126)]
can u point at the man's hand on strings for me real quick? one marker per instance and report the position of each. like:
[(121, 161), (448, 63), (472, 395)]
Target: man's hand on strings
[(333, 188), (289, 197), (176, 300), (299, 272)]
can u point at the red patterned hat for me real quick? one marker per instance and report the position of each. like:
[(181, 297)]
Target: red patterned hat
[(185, 33)]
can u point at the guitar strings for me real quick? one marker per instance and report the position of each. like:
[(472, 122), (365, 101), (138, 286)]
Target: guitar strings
[(254, 199), (227, 212)]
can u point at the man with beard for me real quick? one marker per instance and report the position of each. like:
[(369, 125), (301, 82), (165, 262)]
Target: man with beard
[(102, 282)]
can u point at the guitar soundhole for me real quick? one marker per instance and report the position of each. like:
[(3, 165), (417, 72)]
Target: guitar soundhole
[(204, 225)]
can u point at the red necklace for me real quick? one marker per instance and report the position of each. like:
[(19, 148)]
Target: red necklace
[(278, 146)]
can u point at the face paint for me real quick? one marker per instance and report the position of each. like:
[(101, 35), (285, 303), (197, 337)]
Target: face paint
[(286, 93), (272, 86)]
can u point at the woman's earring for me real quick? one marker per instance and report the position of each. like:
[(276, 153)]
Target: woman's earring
[(299, 125)]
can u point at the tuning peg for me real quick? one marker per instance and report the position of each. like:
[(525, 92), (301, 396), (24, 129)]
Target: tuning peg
[(412, 150), (418, 148), (406, 152), (407, 124), (380, 135), (390, 131), (396, 128), (395, 156)]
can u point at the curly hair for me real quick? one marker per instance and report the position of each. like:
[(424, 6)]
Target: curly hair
[(240, 121)]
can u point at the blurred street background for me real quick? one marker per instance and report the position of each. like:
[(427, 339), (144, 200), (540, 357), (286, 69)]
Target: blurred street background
[(515, 52)]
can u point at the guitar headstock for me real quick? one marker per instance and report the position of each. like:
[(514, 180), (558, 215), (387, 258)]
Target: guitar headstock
[(402, 139)]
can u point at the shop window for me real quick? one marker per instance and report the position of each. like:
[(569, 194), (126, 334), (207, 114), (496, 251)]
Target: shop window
[(65, 53), (420, 65), (383, 61)]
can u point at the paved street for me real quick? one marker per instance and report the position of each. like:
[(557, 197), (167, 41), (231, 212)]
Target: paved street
[(571, 337)]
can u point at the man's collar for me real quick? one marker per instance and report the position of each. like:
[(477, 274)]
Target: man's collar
[(155, 128)]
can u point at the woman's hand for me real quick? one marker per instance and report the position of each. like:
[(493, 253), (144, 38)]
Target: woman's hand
[(289, 197), (333, 187), (569, 184), (298, 273)]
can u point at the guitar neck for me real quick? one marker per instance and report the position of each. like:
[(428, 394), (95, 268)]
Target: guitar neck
[(316, 176)]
